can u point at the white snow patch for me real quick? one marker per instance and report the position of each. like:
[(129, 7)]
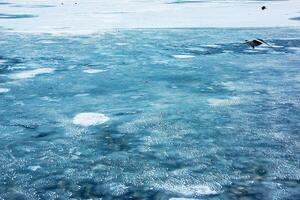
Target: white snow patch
[(190, 190), (32, 73), (34, 168), (4, 90), (93, 71), (182, 56), (89, 119)]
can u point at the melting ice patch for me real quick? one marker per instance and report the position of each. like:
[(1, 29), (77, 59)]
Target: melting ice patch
[(183, 56), (90, 119), (191, 190), (4, 90), (93, 71), (224, 102), (34, 168), (32, 73)]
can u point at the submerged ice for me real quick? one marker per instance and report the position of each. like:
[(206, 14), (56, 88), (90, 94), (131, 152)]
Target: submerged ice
[(173, 114)]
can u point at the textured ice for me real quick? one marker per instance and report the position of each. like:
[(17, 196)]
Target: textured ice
[(221, 125), (89, 119)]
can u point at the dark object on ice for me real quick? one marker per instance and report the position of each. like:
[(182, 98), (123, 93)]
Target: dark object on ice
[(263, 7), (255, 43), (62, 3)]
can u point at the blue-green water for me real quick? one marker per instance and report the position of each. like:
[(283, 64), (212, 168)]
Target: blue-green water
[(193, 113)]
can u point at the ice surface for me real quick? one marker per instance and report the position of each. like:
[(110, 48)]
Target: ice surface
[(90, 16), (221, 125)]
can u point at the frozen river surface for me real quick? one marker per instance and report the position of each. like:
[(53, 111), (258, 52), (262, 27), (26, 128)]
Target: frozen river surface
[(150, 114)]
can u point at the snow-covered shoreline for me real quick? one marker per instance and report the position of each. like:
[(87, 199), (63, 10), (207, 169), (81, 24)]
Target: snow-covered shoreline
[(89, 16)]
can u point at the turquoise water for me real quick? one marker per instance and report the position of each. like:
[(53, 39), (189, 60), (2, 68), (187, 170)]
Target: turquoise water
[(186, 113)]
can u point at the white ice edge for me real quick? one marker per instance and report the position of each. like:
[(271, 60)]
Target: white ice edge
[(91, 16)]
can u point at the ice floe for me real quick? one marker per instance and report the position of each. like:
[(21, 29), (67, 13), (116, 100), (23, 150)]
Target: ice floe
[(89, 119), (32, 73)]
